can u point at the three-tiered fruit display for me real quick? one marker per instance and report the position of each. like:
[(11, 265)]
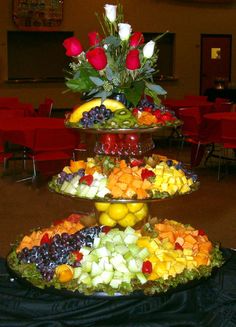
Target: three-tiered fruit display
[(120, 248)]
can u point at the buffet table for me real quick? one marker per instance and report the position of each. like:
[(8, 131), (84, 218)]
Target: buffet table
[(211, 303)]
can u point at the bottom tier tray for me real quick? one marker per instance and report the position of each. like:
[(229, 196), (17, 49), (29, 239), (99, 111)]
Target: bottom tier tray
[(70, 257)]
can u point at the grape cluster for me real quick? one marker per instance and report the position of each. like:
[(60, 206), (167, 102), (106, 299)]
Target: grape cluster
[(63, 176), (48, 256), (96, 115)]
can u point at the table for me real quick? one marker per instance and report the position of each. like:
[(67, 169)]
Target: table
[(21, 130), (212, 303), (212, 125), (175, 105), (27, 108)]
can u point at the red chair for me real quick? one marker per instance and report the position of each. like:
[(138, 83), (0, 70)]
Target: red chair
[(50, 145), (11, 113), (196, 97), (223, 106), (191, 131), (228, 136), (45, 109)]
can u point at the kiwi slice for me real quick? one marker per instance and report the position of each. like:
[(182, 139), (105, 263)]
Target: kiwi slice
[(122, 114), (127, 123)]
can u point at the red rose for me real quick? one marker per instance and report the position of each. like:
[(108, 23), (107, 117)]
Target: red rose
[(73, 46), (94, 38), (97, 58), (132, 59), (136, 39)]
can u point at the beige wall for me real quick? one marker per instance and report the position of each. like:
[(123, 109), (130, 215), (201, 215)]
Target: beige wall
[(188, 21)]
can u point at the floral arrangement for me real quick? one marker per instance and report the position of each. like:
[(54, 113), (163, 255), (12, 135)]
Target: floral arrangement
[(118, 62)]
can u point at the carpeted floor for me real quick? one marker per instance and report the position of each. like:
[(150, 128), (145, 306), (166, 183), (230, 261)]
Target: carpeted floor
[(212, 208)]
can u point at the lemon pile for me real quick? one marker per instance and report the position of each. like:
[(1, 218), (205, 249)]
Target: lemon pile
[(129, 214)]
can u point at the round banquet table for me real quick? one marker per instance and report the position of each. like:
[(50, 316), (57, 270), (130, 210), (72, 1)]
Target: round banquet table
[(211, 303), (212, 125), (21, 130), (174, 105)]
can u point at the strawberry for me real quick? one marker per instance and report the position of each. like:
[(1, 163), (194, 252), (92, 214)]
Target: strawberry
[(78, 255), (178, 246), (45, 239), (201, 232), (136, 162), (106, 229), (86, 179), (147, 267), (135, 112), (147, 109), (146, 173)]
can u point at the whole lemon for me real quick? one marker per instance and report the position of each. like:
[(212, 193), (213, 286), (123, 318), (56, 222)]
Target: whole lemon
[(104, 219), (117, 211), (142, 213), (135, 206), (128, 220), (102, 206)]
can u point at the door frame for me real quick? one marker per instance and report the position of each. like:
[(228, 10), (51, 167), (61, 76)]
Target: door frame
[(205, 35)]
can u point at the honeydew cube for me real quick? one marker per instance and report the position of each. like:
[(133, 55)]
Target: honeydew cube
[(130, 238), (106, 276), (103, 261), (86, 266), (110, 246), (102, 252), (102, 192), (77, 272), (83, 276), (117, 239), (122, 268), (108, 267), (95, 269), (122, 249), (118, 275), (143, 254), (92, 192), (134, 249), (141, 277), (129, 230), (97, 280), (134, 266), (85, 251), (115, 283), (117, 260)]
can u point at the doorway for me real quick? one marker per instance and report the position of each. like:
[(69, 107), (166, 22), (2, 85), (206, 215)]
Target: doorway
[(215, 68)]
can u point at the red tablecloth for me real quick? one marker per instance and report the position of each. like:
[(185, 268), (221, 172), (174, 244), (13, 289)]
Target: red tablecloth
[(22, 130), (27, 108), (175, 105), (212, 125)]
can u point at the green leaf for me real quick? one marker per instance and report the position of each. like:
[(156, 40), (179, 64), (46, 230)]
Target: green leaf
[(97, 81), (112, 40), (156, 88), (134, 93)]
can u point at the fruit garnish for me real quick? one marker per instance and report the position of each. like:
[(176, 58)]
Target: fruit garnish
[(78, 255), (147, 267), (201, 232), (45, 239), (86, 179), (178, 246), (146, 173), (136, 162), (106, 229)]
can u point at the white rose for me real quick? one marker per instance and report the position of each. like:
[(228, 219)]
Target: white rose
[(124, 31), (110, 12), (148, 49)]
